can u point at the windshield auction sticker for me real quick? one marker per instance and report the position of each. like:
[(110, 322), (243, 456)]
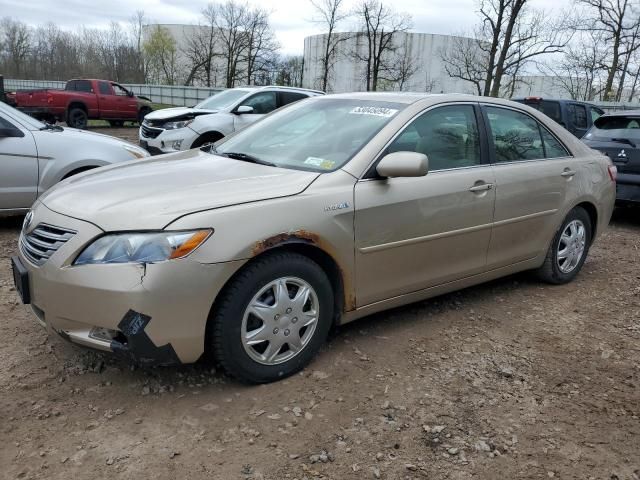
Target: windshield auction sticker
[(375, 111)]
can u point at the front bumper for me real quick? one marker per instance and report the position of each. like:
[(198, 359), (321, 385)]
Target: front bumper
[(167, 141), (156, 313)]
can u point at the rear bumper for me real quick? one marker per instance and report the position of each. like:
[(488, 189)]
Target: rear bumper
[(628, 191)]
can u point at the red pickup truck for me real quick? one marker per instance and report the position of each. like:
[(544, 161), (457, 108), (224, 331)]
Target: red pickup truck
[(82, 100)]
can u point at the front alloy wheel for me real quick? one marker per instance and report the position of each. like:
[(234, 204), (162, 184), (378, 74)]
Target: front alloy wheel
[(272, 317), (280, 320)]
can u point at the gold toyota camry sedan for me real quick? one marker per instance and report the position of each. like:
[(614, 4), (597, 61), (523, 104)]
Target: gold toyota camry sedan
[(333, 208)]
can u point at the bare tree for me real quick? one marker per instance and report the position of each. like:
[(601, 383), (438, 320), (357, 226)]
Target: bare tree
[(509, 37), (16, 43), (200, 49), (289, 71), (617, 20), (330, 14), (230, 23), (261, 44), (403, 67), (579, 70), (160, 49), (463, 59), (380, 25)]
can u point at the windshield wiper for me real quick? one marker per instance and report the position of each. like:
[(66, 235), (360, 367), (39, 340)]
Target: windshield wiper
[(624, 140), (245, 157), (50, 126)]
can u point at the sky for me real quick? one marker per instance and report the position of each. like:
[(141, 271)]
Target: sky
[(292, 20)]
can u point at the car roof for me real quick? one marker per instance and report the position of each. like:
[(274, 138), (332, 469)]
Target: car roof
[(551, 99), (251, 88)]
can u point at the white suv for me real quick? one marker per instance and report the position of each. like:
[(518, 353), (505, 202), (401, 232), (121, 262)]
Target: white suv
[(182, 128)]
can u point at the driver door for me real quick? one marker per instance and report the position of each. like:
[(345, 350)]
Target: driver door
[(18, 166), (262, 103), (415, 233)]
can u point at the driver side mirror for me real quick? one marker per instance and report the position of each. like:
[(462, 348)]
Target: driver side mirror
[(403, 164), (244, 109), (10, 132), (129, 93)]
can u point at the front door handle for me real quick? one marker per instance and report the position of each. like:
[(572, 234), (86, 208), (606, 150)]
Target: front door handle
[(482, 187), (568, 173)]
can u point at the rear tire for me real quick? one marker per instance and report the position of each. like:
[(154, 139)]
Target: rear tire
[(260, 330), (77, 118), (568, 250)]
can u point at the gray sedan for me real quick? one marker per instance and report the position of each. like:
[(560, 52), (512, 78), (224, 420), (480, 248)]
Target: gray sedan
[(34, 156)]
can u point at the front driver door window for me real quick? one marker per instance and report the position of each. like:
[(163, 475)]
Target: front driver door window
[(262, 103), (419, 232)]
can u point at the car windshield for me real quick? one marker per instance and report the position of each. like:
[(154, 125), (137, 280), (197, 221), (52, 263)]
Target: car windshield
[(222, 100), (615, 127), (318, 134), (26, 121)]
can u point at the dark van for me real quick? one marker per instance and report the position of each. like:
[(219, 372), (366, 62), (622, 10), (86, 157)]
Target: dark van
[(575, 116)]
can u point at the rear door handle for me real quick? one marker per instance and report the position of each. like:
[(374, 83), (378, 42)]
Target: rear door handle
[(482, 187), (568, 173)]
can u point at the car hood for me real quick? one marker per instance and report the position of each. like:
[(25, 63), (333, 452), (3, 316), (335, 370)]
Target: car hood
[(177, 112), (151, 193), (52, 142)]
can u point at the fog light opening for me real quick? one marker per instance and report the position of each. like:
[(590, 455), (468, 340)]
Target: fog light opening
[(176, 144), (104, 334)]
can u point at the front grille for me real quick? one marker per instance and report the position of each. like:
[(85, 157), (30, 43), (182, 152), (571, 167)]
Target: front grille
[(43, 241), (149, 132)]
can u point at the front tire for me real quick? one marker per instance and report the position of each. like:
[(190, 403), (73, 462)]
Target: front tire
[(272, 318), (568, 250)]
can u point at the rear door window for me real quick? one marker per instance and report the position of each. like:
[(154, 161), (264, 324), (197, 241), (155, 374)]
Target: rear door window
[(516, 136), (551, 109), (289, 97), (70, 86), (83, 86), (577, 115)]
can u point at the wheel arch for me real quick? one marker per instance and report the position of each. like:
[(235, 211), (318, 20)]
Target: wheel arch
[(307, 248), (592, 211), (212, 136), (77, 104)]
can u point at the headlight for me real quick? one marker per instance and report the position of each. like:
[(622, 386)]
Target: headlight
[(136, 152), (176, 125), (142, 247)]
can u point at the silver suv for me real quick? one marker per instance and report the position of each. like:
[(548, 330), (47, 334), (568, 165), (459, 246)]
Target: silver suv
[(182, 128)]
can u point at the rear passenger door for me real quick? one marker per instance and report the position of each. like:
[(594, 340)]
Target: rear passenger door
[(532, 172)]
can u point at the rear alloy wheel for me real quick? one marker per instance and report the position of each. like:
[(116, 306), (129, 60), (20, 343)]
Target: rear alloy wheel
[(77, 118), (272, 318), (569, 248)]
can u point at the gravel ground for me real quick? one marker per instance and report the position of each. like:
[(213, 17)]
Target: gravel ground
[(511, 379)]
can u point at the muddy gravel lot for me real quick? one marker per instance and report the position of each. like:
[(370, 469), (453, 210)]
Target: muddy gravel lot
[(511, 379)]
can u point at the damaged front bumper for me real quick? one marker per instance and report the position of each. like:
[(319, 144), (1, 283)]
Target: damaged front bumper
[(152, 313)]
